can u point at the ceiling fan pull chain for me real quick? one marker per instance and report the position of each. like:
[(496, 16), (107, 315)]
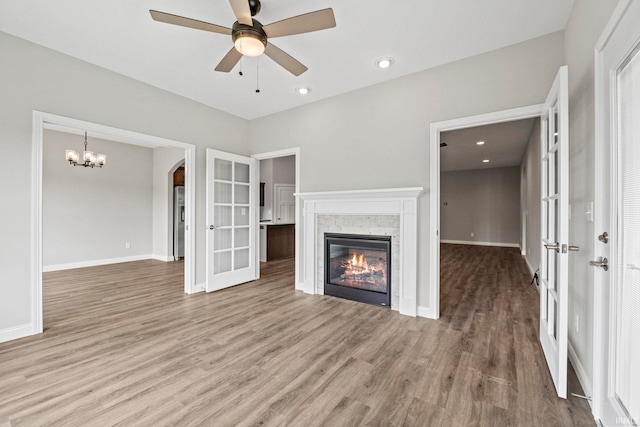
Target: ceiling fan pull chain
[(258, 75)]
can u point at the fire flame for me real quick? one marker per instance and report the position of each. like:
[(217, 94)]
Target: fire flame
[(359, 261)]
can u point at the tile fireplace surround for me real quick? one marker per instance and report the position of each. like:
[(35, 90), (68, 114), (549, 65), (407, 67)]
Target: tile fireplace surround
[(389, 212)]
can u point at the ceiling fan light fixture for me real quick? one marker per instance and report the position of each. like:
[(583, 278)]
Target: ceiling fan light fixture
[(385, 62), (250, 45)]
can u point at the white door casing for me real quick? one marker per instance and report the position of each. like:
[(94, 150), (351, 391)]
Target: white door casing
[(231, 220), (554, 283), (616, 399)]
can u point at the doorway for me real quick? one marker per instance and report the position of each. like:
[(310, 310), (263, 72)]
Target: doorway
[(278, 203), (436, 129), (42, 121)]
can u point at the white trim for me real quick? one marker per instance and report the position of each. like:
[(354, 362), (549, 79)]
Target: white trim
[(295, 151), (393, 193), (164, 258), (581, 373), (531, 270), (42, 120), (95, 263), (402, 202), (425, 312), (434, 184), (15, 332), (476, 243)]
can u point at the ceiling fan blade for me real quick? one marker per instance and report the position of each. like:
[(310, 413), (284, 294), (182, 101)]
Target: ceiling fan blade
[(285, 60), (242, 11), (229, 61), (313, 21), (188, 22)]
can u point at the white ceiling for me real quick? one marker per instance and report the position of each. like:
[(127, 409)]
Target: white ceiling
[(121, 36), (504, 145)]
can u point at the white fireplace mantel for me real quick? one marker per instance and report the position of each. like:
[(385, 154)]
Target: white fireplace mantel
[(393, 201)]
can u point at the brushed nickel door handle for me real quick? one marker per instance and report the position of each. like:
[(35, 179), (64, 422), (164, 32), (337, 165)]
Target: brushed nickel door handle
[(604, 263), (552, 246)]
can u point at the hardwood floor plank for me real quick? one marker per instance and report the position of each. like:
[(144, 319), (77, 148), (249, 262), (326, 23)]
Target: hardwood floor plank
[(123, 345)]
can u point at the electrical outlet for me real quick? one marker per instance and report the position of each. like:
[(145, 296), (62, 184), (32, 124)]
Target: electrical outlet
[(473, 234), (127, 245), (577, 325)]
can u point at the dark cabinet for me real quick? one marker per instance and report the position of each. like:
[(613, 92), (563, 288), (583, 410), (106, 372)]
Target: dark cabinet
[(281, 241)]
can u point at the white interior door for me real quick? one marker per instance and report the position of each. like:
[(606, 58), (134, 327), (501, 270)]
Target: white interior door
[(285, 203), (231, 220), (554, 286), (616, 394)]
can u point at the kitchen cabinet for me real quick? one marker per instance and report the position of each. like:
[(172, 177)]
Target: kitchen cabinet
[(280, 241)]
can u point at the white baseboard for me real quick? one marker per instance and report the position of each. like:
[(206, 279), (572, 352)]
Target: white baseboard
[(94, 263), (199, 287), (426, 312), (583, 378), (531, 270), (163, 258), (15, 332), (476, 243)]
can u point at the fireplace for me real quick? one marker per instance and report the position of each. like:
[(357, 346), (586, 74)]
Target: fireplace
[(358, 267)]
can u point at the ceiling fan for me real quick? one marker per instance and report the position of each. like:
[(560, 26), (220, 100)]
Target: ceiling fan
[(250, 37)]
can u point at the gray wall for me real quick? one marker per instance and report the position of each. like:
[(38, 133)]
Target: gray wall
[(89, 214), (531, 201), (485, 202), (386, 126), (37, 78)]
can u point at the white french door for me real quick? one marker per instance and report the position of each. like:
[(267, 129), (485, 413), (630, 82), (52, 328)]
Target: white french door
[(554, 286), (616, 394), (231, 220)]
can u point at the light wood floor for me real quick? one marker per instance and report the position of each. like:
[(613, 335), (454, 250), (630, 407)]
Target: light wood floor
[(124, 346)]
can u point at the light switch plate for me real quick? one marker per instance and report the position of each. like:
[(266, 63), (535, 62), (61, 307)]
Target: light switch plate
[(589, 212)]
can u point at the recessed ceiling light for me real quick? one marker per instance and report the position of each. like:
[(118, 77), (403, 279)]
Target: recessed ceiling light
[(480, 143), (303, 90), (485, 161), (384, 62)]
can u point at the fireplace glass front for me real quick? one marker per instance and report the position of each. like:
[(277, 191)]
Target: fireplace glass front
[(358, 267)]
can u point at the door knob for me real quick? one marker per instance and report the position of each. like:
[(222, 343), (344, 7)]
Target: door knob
[(604, 263), (552, 246), (604, 237), (213, 227)]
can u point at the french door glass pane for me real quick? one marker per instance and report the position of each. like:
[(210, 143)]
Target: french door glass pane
[(222, 239), (222, 262), (242, 237), (241, 194), (242, 173), (222, 192), (222, 216), (242, 259), (223, 170)]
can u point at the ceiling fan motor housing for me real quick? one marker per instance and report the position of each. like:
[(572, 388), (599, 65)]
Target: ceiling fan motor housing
[(254, 6), (254, 31)]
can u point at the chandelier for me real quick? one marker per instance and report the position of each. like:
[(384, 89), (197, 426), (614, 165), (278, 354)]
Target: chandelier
[(88, 158)]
